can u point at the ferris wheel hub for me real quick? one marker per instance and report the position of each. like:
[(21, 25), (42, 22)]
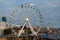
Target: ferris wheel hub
[(27, 19)]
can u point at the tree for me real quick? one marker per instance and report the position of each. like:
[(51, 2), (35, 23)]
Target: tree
[(7, 31)]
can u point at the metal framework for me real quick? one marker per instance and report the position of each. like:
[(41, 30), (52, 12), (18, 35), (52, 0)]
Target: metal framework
[(27, 13)]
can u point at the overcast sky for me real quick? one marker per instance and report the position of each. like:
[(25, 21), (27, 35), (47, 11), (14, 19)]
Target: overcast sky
[(50, 9)]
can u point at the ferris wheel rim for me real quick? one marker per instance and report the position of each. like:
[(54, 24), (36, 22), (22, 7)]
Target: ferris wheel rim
[(32, 7)]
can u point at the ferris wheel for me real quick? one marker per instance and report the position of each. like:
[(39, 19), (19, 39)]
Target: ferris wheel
[(26, 11)]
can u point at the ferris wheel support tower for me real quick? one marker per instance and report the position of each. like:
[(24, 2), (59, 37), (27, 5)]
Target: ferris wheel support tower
[(31, 28)]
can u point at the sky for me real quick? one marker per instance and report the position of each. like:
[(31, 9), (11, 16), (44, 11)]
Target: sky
[(50, 9)]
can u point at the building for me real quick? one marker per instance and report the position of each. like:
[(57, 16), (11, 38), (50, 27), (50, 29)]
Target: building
[(3, 25)]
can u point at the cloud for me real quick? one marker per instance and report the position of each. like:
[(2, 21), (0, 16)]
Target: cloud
[(51, 3), (8, 3)]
